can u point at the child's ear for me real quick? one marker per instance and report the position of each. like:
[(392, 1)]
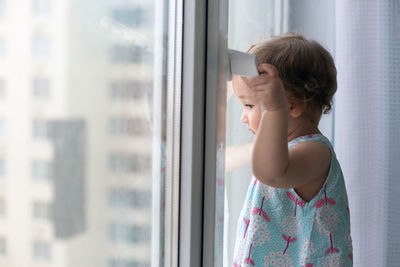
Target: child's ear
[(296, 107)]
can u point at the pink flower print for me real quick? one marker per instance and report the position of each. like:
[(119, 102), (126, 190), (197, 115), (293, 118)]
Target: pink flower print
[(331, 249), (333, 260), (267, 191), (240, 249), (247, 222), (306, 251), (290, 225), (259, 234), (248, 260), (288, 240), (260, 211), (351, 256), (291, 228), (235, 265), (296, 201), (320, 202), (348, 241), (326, 220), (278, 259)]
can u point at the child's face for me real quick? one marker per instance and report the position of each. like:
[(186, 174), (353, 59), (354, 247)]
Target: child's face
[(251, 109)]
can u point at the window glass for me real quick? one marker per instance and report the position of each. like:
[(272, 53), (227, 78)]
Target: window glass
[(41, 87), (41, 250), (2, 128), (2, 88), (41, 46), (41, 210), (85, 115), (42, 8), (2, 207), (2, 48), (3, 246), (42, 170), (2, 168)]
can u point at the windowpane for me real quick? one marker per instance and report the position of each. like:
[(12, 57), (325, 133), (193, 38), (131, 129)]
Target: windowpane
[(3, 246), (84, 117), (126, 233), (129, 198), (40, 129), (2, 8), (2, 88), (2, 48), (42, 210), (42, 8), (132, 17), (2, 128), (40, 48), (42, 170), (41, 251), (2, 207), (2, 168), (130, 90), (41, 88)]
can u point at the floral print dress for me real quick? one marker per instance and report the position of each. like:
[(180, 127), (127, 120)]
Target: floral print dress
[(277, 228)]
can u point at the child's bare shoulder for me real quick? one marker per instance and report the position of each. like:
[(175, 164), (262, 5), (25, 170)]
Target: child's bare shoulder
[(315, 157)]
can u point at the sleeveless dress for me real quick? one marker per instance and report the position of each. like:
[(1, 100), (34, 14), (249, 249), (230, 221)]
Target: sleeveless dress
[(277, 228)]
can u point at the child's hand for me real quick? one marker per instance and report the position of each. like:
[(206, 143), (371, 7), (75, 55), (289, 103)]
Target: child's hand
[(268, 89)]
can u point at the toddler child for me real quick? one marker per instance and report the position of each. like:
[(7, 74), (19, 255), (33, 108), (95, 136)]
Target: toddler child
[(296, 209)]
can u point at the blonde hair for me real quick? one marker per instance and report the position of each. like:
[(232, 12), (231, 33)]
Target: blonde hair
[(306, 69)]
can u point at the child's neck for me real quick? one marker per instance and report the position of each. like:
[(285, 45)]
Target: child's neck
[(301, 126)]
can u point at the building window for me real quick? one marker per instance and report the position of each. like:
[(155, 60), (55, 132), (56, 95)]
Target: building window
[(130, 90), (2, 8), (42, 8), (2, 168), (41, 250), (42, 170), (127, 263), (123, 162), (132, 16), (41, 88), (3, 246), (2, 207), (41, 48), (129, 198), (124, 54), (2, 48), (2, 128), (125, 233), (42, 210), (40, 129), (2, 88), (129, 126)]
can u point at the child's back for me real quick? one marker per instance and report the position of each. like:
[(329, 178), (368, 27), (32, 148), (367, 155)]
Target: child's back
[(277, 228)]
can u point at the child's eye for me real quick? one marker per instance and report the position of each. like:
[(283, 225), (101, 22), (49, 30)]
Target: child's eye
[(249, 106)]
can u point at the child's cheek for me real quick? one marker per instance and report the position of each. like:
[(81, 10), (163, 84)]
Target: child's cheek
[(257, 118)]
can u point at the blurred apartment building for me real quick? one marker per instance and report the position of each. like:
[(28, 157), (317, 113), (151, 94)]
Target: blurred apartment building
[(75, 139)]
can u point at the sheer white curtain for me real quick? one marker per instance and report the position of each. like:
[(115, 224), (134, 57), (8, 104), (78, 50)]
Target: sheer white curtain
[(367, 124)]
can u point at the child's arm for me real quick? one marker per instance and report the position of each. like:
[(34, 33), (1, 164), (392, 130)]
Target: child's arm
[(237, 156), (272, 163)]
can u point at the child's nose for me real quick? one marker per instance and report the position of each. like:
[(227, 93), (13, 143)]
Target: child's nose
[(244, 118)]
